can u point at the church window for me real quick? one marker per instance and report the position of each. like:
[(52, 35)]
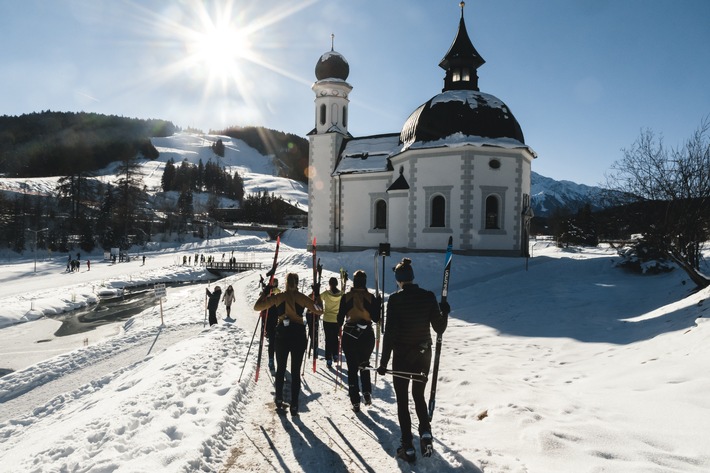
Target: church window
[(462, 74), (438, 211), (380, 215), (334, 114), (345, 116), (322, 114), (492, 213), (494, 164)]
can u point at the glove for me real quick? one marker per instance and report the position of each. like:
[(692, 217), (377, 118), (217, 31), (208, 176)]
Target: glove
[(382, 370), (445, 308)]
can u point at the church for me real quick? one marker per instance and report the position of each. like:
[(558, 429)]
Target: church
[(459, 167)]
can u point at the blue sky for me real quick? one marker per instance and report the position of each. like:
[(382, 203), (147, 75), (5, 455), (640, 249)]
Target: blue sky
[(582, 77)]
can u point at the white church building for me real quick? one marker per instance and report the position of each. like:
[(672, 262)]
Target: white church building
[(459, 167)]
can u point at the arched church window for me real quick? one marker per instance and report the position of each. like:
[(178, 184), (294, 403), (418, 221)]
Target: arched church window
[(380, 215), (334, 114), (345, 115), (492, 213), (438, 211), (322, 114)]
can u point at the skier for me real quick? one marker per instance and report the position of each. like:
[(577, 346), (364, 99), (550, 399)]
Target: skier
[(228, 299), (272, 318), (290, 335), (410, 313), (213, 303), (331, 304), (358, 309)]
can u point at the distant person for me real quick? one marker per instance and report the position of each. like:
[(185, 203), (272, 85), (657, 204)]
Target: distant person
[(88, 265), (410, 313), (358, 309), (290, 335), (143, 260), (228, 299), (213, 303)]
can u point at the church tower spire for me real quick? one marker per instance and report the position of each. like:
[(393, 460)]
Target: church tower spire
[(461, 61)]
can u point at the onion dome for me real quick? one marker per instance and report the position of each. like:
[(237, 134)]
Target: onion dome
[(469, 112), (332, 65)]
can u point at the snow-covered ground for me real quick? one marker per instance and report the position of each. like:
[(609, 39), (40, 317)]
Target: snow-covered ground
[(569, 366)]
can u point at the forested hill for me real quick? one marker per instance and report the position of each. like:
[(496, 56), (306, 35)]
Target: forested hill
[(62, 143), (290, 151)]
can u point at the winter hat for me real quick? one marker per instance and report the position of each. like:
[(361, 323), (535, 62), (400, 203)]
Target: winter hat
[(217, 289), (404, 272)]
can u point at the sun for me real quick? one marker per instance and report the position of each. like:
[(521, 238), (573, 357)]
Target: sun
[(219, 48)]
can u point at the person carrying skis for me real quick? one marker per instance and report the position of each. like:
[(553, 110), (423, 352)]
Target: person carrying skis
[(272, 318), (213, 303), (331, 304), (228, 299), (410, 313), (290, 335), (358, 309)]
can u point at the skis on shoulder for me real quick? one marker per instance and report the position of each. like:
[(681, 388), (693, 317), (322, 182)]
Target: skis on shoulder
[(437, 351), (264, 313)]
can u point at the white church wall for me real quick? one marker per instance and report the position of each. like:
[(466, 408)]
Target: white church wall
[(321, 189), (435, 175), (357, 224)]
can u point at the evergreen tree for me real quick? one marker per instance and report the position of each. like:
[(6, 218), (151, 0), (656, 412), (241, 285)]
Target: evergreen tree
[(167, 181)]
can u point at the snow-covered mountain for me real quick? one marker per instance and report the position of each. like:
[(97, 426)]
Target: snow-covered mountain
[(548, 195)]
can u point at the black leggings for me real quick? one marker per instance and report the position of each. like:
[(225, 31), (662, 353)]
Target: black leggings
[(357, 352), (290, 340), (331, 330), (412, 361)]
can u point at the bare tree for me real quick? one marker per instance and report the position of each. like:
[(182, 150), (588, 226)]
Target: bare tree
[(673, 187)]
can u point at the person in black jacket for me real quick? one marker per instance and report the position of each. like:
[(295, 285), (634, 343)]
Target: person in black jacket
[(410, 313), (358, 309), (213, 303)]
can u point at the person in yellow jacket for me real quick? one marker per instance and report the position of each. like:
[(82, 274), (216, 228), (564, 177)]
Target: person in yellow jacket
[(331, 304), (290, 335)]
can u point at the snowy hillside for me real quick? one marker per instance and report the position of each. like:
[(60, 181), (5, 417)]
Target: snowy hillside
[(257, 171)]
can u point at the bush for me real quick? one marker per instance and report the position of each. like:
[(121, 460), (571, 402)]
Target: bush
[(644, 258)]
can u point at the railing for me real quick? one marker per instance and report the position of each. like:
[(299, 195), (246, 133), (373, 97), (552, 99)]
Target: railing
[(236, 266)]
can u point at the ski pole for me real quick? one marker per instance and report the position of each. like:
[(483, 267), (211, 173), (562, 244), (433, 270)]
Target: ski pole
[(395, 372), (205, 321), (248, 350)]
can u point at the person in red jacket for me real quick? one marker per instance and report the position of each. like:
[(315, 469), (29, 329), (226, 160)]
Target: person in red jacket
[(410, 313)]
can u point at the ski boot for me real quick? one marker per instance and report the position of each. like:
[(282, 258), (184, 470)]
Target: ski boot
[(367, 398), (426, 444), (406, 452), (272, 367), (356, 407)]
